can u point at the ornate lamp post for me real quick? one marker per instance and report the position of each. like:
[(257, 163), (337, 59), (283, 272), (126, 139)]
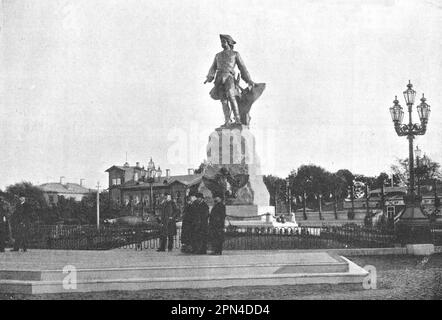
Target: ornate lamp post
[(412, 222)]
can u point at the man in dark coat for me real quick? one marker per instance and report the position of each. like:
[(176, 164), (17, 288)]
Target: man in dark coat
[(169, 212), (21, 221), (201, 225), (187, 231), (216, 225), (3, 226)]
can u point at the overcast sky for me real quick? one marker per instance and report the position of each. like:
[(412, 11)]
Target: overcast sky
[(85, 81)]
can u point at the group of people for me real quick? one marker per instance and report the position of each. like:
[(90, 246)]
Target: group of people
[(16, 225), (201, 227)]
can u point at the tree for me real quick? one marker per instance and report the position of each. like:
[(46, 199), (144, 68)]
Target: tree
[(368, 181), (346, 175), (200, 168), (33, 194), (338, 186), (401, 170), (381, 180), (88, 208), (313, 180), (276, 188)]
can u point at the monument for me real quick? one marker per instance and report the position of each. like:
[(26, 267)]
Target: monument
[(233, 166)]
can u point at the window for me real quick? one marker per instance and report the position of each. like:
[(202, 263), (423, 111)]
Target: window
[(114, 182), (118, 181), (52, 199), (390, 212)]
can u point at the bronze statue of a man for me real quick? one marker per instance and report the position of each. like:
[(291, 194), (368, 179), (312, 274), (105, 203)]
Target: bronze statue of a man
[(226, 86)]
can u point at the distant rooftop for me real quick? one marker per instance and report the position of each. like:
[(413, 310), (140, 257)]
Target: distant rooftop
[(57, 187), (187, 180)]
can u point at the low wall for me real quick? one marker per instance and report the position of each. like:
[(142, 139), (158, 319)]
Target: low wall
[(362, 251)]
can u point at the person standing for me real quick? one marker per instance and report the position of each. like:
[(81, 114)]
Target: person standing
[(22, 218), (3, 226), (169, 212), (201, 225), (216, 225), (187, 232)]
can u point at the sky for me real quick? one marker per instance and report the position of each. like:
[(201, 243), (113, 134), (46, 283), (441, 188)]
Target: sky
[(84, 82)]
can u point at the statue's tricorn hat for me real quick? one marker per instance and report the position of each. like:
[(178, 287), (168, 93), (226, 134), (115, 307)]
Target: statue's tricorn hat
[(228, 38)]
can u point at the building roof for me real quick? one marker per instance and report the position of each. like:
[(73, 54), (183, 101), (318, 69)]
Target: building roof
[(390, 189), (57, 187), (123, 168), (187, 180)]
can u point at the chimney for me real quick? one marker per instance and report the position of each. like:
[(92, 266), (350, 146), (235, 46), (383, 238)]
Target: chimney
[(189, 171), (167, 173), (81, 182), (137, 165), (61, 179)]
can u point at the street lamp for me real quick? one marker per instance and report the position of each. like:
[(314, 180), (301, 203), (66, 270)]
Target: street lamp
[(412, 221)]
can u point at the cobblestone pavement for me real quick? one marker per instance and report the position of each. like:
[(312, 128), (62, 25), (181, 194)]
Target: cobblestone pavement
[(399, 277)]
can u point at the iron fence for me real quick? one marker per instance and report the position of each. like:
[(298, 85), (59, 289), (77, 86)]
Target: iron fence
[(306, 238), (269, 238), (87, 237), (236, 238), (436, 234)]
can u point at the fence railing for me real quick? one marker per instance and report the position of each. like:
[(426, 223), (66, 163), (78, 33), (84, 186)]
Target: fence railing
[(236, 238), (87, 237), (269, 238)]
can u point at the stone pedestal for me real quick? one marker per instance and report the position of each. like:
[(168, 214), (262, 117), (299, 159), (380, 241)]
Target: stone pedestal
[(413, 226), (233, 168)]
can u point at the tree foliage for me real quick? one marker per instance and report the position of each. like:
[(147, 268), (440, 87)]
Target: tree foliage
[(276, 188), (66, 210), (429, 173)]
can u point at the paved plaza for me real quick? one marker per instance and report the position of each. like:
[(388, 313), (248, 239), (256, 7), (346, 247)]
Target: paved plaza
[(398, 276), (126, 258), (45, 271)]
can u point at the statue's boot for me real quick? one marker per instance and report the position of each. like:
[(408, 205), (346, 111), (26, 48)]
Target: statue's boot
[(226, 111), (235, 109)]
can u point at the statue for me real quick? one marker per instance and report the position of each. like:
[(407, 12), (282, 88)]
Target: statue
[(233, 167), (226, 86), (224, 182)]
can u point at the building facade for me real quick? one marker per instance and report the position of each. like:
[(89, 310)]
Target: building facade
[(52, 191), (393, 198), (141, 189)]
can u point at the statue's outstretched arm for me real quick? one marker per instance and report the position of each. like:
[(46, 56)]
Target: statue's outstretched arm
[(212, 71)]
